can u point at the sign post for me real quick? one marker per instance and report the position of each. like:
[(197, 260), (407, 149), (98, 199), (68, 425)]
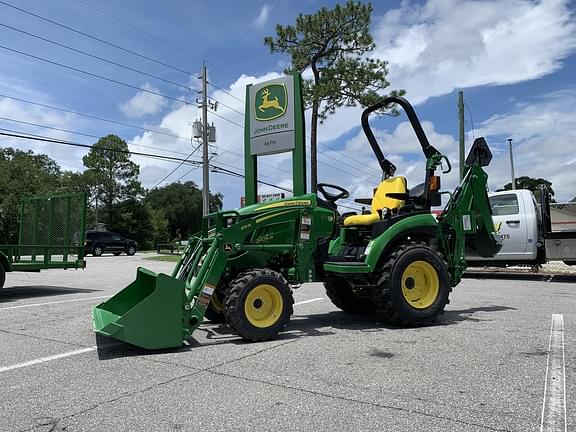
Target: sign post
[(274, 123)]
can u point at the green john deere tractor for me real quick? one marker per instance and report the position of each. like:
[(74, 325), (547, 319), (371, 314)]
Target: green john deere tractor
[(397, 260)]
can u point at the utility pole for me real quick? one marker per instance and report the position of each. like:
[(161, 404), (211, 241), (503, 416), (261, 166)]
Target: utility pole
[(512, 164), (461, 134), (201, 130), (205, 167)]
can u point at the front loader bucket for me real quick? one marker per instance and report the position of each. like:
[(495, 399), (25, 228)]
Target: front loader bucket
[(147, 313)]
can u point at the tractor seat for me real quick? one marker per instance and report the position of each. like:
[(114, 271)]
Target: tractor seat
[(380, 202)]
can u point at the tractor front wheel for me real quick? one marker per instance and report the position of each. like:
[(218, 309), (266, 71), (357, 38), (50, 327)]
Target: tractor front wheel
[(258, 304), (341, 295), (414, 286), (215, 310)]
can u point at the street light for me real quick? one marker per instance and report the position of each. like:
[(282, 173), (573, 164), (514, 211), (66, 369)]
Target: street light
[(512, 164)]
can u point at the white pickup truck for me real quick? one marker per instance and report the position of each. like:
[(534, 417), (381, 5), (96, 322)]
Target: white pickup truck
[(524, 228)]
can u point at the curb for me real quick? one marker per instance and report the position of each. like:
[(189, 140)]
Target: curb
[(539, 277)]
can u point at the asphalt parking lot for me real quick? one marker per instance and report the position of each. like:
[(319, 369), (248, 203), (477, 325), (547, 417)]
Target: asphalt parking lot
[(483, 368)]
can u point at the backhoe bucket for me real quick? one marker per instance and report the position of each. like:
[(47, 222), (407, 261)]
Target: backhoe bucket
[(147, 313)]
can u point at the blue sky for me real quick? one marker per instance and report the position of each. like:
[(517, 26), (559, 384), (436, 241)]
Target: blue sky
[(515, 61)]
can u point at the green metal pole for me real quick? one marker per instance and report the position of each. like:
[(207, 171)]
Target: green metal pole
[(250, 162), (461, 131), (299, 152)]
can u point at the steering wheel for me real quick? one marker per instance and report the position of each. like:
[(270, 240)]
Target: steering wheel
[(332, 197)]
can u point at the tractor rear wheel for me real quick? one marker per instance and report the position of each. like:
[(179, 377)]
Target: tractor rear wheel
[(414, 286), (341, 295), (258, 304), (215, 310)]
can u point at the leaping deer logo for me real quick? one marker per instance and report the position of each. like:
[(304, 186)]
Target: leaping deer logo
[(274, 103)]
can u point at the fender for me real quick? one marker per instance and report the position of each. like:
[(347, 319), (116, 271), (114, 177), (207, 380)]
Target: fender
[(379, 244)]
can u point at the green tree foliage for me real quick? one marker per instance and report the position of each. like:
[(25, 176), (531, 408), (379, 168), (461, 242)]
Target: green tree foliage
[(22, 173), (111, 175), (160, 232), (167, 213), (181, 204), (334, 44), (532, 184), (131, 218)]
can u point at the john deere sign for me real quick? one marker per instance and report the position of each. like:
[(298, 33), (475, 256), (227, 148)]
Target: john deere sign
[(271, 107), (274, 123)]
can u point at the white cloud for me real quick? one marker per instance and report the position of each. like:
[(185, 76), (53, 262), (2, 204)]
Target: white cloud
[(143, 103), (544, 137), (436, 47), (36, 118), (262, 18)]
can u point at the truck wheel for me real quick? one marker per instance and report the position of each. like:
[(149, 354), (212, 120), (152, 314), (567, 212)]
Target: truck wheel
[(131, 251), (215, 310), (414, 286), (98, 250), (258, 304), (341, 295), (2, 276)]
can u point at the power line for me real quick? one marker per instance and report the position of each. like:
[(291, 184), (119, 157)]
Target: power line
[(18, 134), (97, 39), (182, 101), (226, 92), (32, 137), (228, 106), (227, 119), (83, 134), (151, 35), (174, 170), (96, 117), (135, 70), (95, 56), (156, 93), (121, 124), (217, 169)]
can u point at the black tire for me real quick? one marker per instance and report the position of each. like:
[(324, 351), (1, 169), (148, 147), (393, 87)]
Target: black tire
[(215, 310), (341, 295), (97, 250), (2, 276), (131, 250), (258, 304), (414, 286)]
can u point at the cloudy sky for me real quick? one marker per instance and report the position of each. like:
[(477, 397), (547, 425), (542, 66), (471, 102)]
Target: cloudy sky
[(131, 68)]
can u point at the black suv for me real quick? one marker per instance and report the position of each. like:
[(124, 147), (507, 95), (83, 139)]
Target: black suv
[(98, 242)]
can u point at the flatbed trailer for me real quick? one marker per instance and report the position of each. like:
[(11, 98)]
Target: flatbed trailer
[(51, 235)]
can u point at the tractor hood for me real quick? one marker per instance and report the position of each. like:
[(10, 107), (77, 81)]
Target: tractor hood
[(309, 200)]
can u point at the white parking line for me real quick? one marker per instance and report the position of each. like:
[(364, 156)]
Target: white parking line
[(51, 303), (554, 404), (308, 301), (46, 359)]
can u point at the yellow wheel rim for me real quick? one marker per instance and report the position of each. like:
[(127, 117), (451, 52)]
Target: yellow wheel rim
[(217, 303), (420, 284), (263, 306)]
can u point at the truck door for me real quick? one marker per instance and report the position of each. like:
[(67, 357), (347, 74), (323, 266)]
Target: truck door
[(510, 223)]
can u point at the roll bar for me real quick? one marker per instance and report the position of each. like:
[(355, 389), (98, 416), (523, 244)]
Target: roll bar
[(388, 167)]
